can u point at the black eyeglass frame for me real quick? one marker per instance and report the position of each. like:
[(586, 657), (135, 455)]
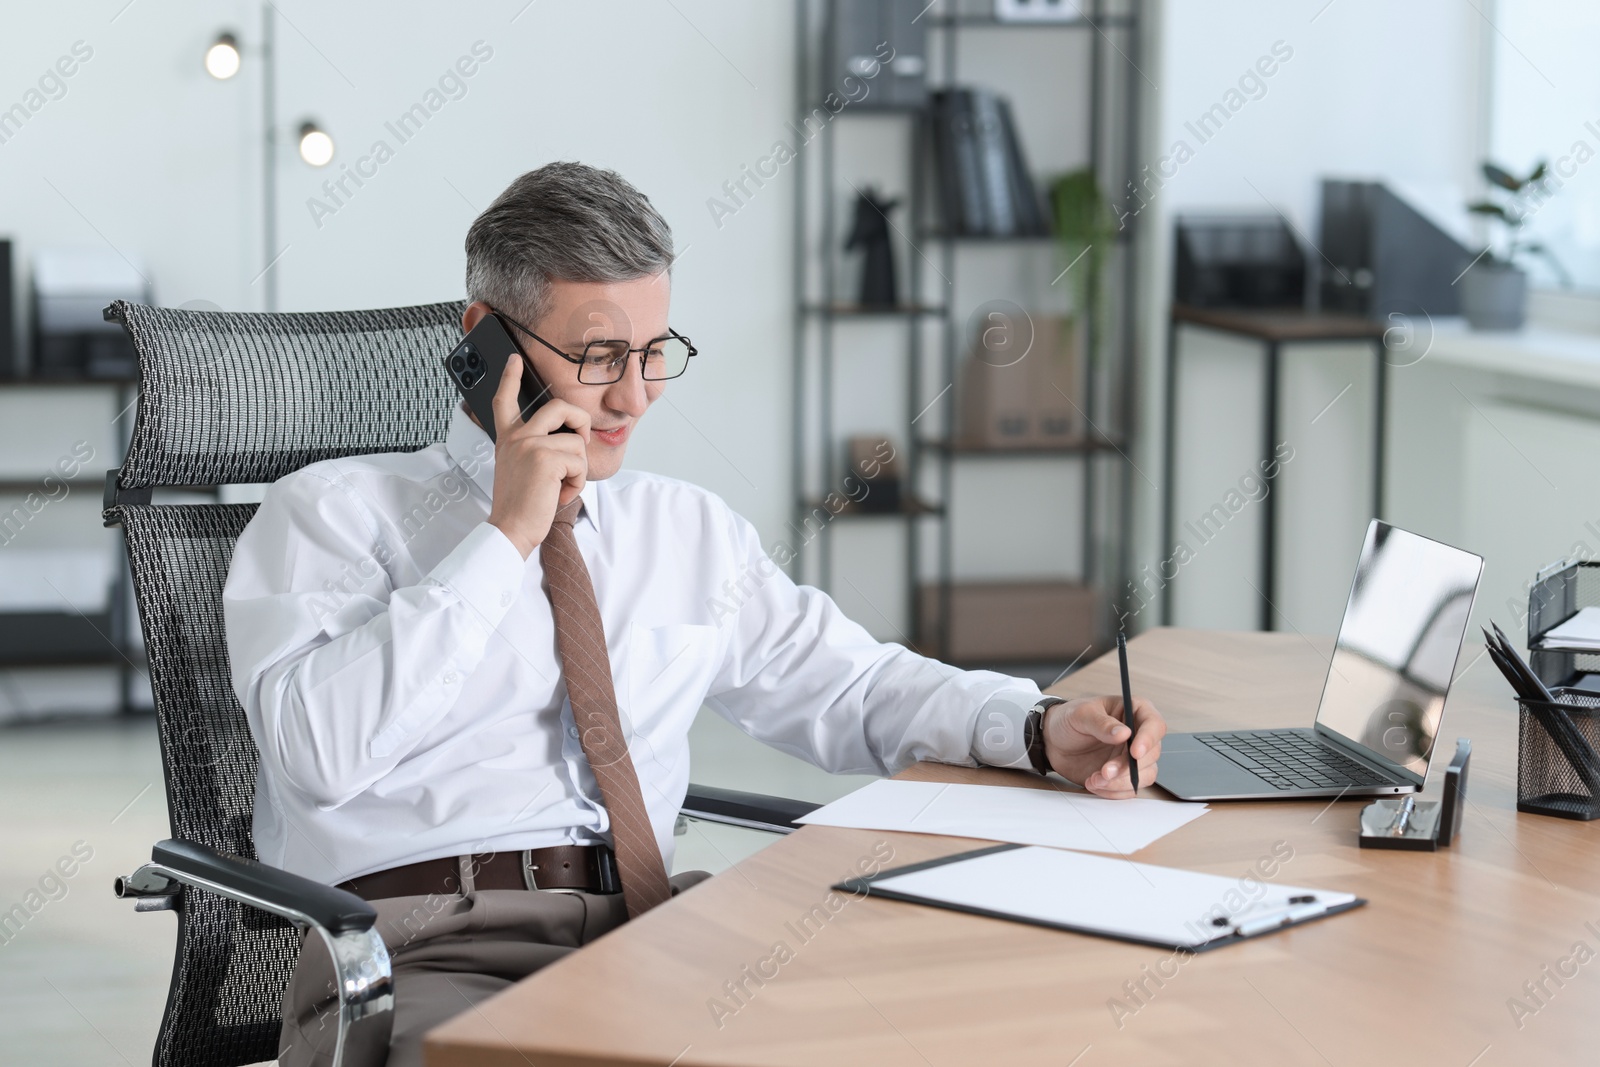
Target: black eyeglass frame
[(581, 361)]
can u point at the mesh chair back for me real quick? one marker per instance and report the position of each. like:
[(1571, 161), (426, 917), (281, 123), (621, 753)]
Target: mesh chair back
[(232, 963), (228, 398)]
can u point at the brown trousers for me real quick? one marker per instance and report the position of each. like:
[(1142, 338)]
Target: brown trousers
[(448, 953)]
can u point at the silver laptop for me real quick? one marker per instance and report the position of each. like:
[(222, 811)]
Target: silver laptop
[(1382, 702)]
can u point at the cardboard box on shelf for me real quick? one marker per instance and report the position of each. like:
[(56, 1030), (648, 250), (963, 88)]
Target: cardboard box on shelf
[(1016, 399), (1056, 344), (1013, 620)]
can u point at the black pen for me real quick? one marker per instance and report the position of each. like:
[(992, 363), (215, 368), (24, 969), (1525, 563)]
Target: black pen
[(1127, 707), (1545, 709)]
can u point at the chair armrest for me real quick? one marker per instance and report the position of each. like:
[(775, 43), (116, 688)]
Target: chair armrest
[(363, 975), (300, 900), (737, 808)]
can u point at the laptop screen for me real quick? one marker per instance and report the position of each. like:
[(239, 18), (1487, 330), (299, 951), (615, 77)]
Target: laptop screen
[(1397, 648)]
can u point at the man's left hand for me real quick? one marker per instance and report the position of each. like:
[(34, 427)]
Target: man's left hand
[(1086, 742)]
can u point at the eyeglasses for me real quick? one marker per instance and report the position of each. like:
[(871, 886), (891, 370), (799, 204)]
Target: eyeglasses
[(604, 362)]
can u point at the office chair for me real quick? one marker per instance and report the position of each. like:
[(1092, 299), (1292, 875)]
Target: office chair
[(232, 398)]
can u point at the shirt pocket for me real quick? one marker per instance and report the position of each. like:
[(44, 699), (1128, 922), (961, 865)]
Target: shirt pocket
[(670, 670)]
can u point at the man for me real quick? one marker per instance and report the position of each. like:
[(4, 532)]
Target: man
[(471, 670)]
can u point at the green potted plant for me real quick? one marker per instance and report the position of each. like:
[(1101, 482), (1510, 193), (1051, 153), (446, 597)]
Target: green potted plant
[(1084, 229), (1494, 290)]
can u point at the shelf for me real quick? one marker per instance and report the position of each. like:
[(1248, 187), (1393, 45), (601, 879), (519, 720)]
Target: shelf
[(945, 22), (49, 383), (133, 659), (60, 639), (1122, 236), (823, 381), (1074, 447), (1281, 324), (34, 485), (987, 238), (911, 507), (857, 311)]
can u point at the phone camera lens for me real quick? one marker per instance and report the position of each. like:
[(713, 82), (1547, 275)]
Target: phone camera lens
[(458, 364), (473, 360), (468, 378)]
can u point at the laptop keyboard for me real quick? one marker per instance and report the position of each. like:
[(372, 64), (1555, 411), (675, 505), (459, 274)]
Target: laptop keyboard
[(1289, 760)]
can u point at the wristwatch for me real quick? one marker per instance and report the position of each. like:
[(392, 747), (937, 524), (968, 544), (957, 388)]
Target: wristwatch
[(1033, 733)]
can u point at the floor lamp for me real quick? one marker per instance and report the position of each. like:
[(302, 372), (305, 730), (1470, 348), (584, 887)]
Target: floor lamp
[(223, 60)]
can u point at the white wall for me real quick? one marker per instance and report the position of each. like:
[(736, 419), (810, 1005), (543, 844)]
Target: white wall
[(143, 153), (1372, 89), (147, 154), (1369, 90), (153, 157)]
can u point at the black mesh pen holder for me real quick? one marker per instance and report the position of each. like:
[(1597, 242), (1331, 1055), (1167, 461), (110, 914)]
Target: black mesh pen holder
[(1558, 769)]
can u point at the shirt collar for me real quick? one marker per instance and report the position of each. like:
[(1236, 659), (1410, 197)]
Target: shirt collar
[(591, 502), (473, 454)]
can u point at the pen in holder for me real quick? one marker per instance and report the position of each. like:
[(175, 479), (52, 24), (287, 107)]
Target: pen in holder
[(1558, 771), (1414, 825)]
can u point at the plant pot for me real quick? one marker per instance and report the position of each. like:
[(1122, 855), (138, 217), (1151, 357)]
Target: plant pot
[(1494, 296)]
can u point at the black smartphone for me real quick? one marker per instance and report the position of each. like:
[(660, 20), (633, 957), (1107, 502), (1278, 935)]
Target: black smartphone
[(475, 366)]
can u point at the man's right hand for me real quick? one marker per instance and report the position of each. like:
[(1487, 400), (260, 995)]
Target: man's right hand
[(536, 470)]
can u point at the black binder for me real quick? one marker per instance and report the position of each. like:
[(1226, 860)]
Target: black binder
[(956, 156), (1030, 215), (985, 189), (994, 164)]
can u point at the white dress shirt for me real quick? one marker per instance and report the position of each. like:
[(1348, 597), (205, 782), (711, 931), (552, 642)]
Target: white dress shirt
[(395, 656)]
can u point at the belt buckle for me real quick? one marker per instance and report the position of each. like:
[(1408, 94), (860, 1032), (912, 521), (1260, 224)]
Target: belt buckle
[(525, 861), (607, 876)]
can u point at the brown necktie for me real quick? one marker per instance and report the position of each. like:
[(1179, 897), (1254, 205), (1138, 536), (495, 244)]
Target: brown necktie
[(581, 644)]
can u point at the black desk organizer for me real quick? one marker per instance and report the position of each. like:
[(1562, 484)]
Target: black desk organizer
[(1558, 593), (1558, 771)]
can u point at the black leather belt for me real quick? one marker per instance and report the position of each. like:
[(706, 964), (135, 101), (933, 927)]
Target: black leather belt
[(574, 868)]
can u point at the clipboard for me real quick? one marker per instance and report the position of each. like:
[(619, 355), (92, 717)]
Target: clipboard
[(1105, 896)]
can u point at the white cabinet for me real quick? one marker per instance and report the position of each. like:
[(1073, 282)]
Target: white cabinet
[(1495, 446)]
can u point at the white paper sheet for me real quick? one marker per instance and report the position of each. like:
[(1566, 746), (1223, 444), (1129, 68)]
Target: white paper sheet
[(1099, 894), (1008, 813), (1580, 633)]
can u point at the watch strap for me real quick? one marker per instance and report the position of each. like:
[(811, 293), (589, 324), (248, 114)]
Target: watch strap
[(1033, 733)]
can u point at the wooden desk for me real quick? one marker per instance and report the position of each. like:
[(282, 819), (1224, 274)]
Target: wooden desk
[(1421, 975)]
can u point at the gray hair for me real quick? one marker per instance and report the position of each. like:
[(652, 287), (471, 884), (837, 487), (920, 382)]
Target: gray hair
[(566, 222)]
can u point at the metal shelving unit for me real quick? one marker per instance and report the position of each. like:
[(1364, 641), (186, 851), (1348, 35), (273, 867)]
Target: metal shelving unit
[(71, 638), (1105, 505)]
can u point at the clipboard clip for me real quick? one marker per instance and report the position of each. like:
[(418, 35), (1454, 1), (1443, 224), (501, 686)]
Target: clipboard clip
[(1272, 920)]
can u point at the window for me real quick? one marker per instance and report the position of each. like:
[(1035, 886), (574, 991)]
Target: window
[(1545, 106)]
